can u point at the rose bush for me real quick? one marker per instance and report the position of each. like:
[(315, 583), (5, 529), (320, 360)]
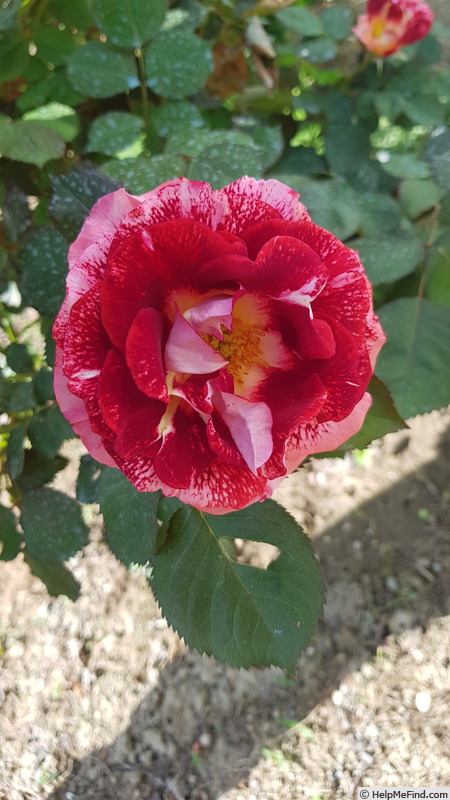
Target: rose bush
[(389, 25), (211, 340)]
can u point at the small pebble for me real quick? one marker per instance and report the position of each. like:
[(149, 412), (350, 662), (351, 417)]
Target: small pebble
[(337, 697), (391, 583), (423, 701)]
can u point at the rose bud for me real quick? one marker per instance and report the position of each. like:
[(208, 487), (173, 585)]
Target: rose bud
[(389, 25), (210, 340)]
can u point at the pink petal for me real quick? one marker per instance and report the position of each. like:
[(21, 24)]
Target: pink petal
[(187, 352), (93, 442), (84, 274), (249, 200), (324, 437), (210, 314), (103, 219), (144, 353), (250, 425), (74, 409), (221, 442)]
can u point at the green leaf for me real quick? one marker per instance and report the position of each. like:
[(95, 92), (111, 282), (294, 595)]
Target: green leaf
[(102, 70), (43, 385), (54, 89), (130, 23), (130, 518), (52, 524), (10, 538), (178, 63), (300, 161), (381, 418), (60, 118), (170, 117), (39, 470), (7, 14), (76, 14), (188, 14), (337, 22), (16, 214), (115, 132), (379, 214), (240, 614), (140, 175), (15, 451), (88, 480), (404, 165), (74, 195), (317, 50), (14, 57), (30, 142), (388, 258), (54, 45), (21, 397), (221, 164), (300, 20), (332, 204), (423, 108), (414, 363), (43, 264), (19, 358), (269, 141), (437, 283), (437, 152), (56, 577), (347, 148), (191, 143), (167, 507), (418, 196), (48, 430), (5, 392)]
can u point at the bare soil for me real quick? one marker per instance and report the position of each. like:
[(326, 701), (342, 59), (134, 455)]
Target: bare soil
[(100, 699)]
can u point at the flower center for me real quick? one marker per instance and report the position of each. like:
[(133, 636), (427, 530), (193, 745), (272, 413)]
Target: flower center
[(240, 347)]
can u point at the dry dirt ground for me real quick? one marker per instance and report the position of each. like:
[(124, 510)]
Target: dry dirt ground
[(99, 700)]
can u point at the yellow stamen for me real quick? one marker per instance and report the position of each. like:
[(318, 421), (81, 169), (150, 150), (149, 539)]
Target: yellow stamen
[(240, 347)]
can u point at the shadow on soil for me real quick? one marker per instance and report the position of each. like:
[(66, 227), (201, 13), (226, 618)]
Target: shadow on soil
[(203, 727)]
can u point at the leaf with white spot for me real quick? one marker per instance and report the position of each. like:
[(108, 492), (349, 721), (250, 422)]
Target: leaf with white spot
[(100, 70), (178, 64), (240, 614)]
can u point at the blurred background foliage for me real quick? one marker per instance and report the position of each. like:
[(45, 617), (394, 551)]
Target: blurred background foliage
[(98, 94)]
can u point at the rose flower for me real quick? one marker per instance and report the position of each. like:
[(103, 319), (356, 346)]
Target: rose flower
[(211, 340), (389, 25)]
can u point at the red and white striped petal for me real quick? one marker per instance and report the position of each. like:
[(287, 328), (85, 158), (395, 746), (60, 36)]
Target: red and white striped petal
[(184, 452), (248, 200), (144, 353), (103, 220), (86, 343), (324, 437), (288, 269)]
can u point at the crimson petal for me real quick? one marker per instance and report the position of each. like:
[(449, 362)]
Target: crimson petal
[(144, 353), (129, 413)]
